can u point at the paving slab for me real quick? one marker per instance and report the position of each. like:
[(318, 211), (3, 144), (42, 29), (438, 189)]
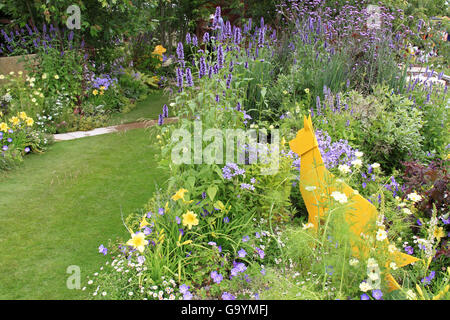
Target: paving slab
[(423, 79), (110, 129)]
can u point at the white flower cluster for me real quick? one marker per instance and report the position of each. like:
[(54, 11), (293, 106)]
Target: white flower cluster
[(131, 269), (339, 197), (373, 276)]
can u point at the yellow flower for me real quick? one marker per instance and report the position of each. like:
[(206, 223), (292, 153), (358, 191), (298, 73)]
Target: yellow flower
[(166, 207), (419, 290), (219, 204), (307, 91), (29, 122), (439, 233), (138, 241), (102, 88), (190, 219), (95, 92), (159, 50), (14, 120), (179, 195), (101, 93), (22, 115), (3, 127), (44, 76), (56, 77), (442, 293), (143, 223)]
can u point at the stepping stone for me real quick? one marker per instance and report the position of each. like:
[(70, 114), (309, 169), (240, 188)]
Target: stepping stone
[(111, 129), (423, 79), (82, 134)]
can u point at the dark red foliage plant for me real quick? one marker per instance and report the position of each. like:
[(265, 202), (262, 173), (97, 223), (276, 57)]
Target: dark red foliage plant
[(432, 181)]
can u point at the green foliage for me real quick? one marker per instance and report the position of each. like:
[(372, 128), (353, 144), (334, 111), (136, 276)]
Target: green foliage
[(102, 21)]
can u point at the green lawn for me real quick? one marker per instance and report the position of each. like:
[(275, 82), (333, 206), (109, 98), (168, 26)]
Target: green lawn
[(58, 207), (147, 109)]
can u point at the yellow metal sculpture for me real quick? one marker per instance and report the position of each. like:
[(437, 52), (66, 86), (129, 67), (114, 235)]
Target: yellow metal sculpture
[(360, 214)]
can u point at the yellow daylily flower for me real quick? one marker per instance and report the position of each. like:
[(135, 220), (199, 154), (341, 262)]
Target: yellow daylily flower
[(95, 92), (14, 120), (190, 219), (29, 122), (138, 241), (179, 194), (143, 223), (3, 127), (23, 115), (159, 50)]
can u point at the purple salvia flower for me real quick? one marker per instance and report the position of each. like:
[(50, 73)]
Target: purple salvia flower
[(210, 72), (202, 67), (30, 32), (179, 78), (237, 36), (229, 80), (420, 25), (189, 81), (206, 37), (165, 110), (180, 51), (318, 104), (262, 33), (220, 57)]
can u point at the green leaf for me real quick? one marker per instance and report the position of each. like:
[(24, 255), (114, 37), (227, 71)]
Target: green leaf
[(263, 92), (190, 181), (212, 190)]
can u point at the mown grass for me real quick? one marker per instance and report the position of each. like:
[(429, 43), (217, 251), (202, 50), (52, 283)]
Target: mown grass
[(58, 207), (147, 109)]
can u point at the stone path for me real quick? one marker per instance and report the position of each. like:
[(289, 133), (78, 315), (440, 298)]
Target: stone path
[(419, 72), (111, 129)]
